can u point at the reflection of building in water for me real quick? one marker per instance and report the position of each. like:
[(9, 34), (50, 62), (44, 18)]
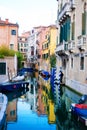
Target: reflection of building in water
[(51, 114), (48, 103), (40, 104), (12, 111), (31, 95)]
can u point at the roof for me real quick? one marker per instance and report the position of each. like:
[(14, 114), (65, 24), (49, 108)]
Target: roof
[(6, 22)]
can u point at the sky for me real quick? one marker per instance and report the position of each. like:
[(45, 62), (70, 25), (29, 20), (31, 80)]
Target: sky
[(29, 13)]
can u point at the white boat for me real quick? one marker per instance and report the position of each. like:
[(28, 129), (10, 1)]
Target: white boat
[(18, 78), (3, 106)]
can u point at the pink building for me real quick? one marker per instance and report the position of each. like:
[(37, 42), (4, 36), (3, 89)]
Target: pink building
[(41, 37), (9, 34)]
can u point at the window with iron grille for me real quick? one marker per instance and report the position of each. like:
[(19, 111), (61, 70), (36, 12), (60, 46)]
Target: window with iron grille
[(2, 68)]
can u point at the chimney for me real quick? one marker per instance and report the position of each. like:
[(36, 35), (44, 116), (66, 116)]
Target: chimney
[(6, 21)]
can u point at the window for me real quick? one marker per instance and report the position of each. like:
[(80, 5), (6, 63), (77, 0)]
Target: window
[(25, 50), (64, 64), (12, 46), (71, 62), (25, 45), (2, 68), (21, 50), (32, 50), (84, 21), (21, 44), (12, 113), (13, 32), (82, 63)]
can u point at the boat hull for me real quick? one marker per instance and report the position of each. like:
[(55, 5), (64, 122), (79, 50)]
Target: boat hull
[(11, 86), (44, 74), (79, 111), (3, 107)]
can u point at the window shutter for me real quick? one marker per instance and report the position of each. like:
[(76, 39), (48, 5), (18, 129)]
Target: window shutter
[(73, 30), (84, 23)]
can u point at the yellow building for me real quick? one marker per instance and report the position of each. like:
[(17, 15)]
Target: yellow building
[(48, 46)]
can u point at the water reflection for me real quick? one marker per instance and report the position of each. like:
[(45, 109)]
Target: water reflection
[(28, 109), (35, 108), (63, 114), (12, 104)]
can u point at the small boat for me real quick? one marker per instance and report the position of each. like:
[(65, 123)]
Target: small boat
[(24, 70), (11, 86), (79, 110), (44, 74), (3, 106)]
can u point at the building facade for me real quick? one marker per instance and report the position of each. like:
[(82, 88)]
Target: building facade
[(8, 68), (23, 45), (48, 46), (9, 34), (32, 52), (71, 48)]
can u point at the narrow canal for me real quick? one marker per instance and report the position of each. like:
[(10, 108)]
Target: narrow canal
[(33, 108)]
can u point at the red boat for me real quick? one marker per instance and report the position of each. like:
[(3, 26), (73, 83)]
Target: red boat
[(79, 109)]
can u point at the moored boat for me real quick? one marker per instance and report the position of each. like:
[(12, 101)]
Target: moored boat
[(3, 106), (79, 110), (44, 74), (11, 86), (18, 78)]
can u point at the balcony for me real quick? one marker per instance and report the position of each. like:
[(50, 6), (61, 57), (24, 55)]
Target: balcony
[(33, 59), (71, 45), (82, 39), (65, 11), (72, 4), (62, 48)]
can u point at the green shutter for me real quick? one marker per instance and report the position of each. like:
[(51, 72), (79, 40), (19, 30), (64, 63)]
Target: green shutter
[(65, 31), (61, 34), (84, 23), (73, 30), (68, 29)]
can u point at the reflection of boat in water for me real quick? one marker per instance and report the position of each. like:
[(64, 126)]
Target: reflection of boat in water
[(11, 86), (16, 94), (3, 106)]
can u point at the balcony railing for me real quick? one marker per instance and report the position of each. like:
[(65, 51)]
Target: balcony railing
[(72, 4), (33, 59), (71, 45), (82, 41), (64, 10), (62, 47)]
